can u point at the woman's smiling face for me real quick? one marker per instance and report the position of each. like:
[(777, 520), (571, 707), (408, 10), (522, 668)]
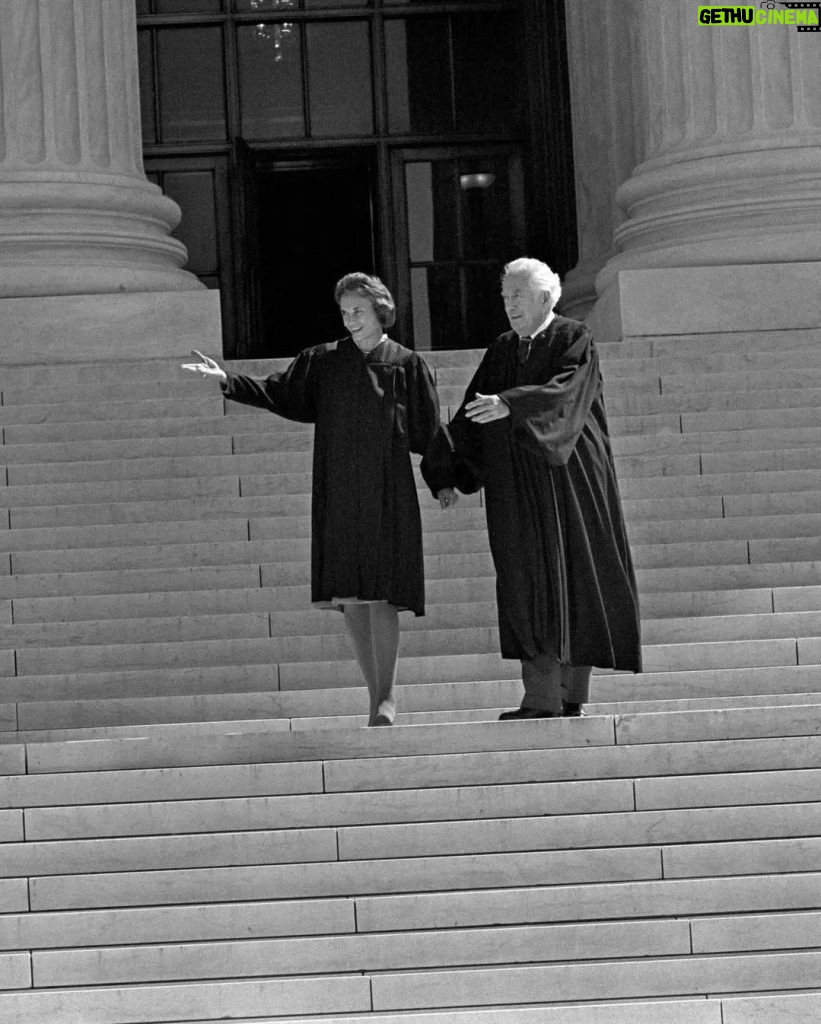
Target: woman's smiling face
[(360, 318)]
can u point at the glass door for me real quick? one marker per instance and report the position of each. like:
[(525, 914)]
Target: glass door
[(459, 217)]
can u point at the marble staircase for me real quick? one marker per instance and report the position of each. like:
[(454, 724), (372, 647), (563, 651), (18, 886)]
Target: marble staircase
[(194, 826)]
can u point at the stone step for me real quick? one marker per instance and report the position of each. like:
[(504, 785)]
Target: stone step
[(212, 1001), (47, 721), (184, 404), (248, 667), (211, 422), (296, 600), (180, 578), (642, 531), (163, 385), (297, 815), (85, 450), (743, 482), (782, 1008), (599, 812), (120, 490), (293, 465), (98, 440), (165, 509), (449, 555), (728, 541), (714, 441), (219, 464), (615, 900), (370, 953), (225, 625), (649, 978), (685, 345), (245, 1001), (623, 401), (785, 574), (420, 874), (351, 953), (99, 536), (308, 625), (292, 881), (751, 418), (307, 661), (119, 689), (237, 746), (611, 828), (528, 767)]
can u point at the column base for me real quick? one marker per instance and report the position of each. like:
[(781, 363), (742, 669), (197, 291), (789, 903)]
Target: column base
[(706, 300), (94, 328)]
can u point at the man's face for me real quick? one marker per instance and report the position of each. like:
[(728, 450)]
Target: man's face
[(526, 305)]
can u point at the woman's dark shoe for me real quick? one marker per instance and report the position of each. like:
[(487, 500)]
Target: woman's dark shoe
[(508, 716), (572, 710)]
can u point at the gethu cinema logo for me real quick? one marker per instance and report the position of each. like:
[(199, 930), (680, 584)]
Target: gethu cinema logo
[(802, 15)]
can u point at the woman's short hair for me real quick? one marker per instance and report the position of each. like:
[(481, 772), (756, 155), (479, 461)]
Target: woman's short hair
[(372, 288), (539, 273)]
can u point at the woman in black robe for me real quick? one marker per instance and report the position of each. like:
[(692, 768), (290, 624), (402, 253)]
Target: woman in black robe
[(532, 430), (372, 402)]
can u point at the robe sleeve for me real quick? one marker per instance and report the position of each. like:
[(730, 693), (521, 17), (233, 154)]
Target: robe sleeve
[(423, 407), (289, 394), (548, 418), (454, 459)]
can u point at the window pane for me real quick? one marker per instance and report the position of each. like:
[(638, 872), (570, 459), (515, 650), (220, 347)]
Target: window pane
[(145, 60), (339, 78), (191, 84), (318, 5), (486, 62), (483, 304), (418, 75), (143, 7), (187, 6), (194, 192), (253, 6), (270, 67), (484, 195), (432, 226), (421, 3), (436, 297)]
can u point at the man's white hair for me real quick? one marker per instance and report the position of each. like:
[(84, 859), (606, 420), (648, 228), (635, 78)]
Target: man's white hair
[(539, 273)]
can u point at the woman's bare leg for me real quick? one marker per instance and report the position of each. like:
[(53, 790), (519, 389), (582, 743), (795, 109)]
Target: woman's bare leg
[(385, 640), (358, 625)]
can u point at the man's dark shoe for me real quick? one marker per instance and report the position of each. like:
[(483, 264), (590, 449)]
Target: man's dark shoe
[(507, 716), (571, 710)]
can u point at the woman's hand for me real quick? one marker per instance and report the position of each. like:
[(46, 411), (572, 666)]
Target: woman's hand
[(447, 497), (486, 409), (206, 366)]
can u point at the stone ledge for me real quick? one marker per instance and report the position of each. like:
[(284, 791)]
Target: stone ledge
[(85, 328)]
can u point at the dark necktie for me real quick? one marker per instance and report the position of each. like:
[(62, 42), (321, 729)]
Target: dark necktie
[(523, 350)]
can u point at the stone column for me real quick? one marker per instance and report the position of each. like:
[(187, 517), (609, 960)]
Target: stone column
[(602, 91), (729, 152), (77, 214)]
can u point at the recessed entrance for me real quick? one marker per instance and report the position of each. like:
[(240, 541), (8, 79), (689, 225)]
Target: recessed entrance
[(315, 222)]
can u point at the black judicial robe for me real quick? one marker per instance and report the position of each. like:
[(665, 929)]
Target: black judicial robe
[(565, 576), (370, 411)]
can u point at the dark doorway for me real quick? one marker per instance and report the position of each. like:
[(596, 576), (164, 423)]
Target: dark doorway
[(315, 222)]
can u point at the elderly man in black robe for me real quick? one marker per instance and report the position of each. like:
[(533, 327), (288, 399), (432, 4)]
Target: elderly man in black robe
[(532, 430)]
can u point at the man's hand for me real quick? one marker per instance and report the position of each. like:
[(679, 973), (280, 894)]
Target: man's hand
[(447, 497), (486, 409)]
